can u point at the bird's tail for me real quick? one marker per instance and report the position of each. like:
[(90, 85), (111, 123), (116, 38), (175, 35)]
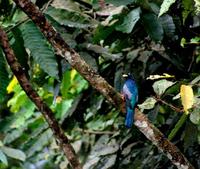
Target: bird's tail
[(129, 117)]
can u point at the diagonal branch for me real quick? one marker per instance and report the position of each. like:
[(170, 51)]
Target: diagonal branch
[(99, 83), (32, 94)]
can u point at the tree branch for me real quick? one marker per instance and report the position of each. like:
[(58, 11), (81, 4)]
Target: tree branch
[(32, 94), (168, 104), (99, 83)]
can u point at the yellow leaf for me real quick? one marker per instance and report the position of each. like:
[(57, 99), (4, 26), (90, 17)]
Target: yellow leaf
[(73, 74), (164, 76), (12, 84), (187, 97)]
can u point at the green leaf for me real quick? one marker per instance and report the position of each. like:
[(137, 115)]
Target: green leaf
[(13, 135), (129, 21), (42, 140), (149, 103), (161, 86), (120, 2), (195, 80), (103, 147), (197, 5), (183, 42), (22, 106), (17, 101), (102, 32), (195, 116), (70, 18), (168, 25), (68, 5), (195, 40), (178, 125), (24, 114), (3, 158), (39, 49), (153, 26), (14, 153), (66, 83), (188, 139), (188, 8), (107, 162), (63, 107), (19, 50), (165, 6), (4, 76)]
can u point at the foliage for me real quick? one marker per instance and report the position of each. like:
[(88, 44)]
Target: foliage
[(157, 43), (165, 6), (4, 77), (39, 49)]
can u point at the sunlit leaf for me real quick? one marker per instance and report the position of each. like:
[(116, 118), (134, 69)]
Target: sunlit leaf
[(63, 107), (16, 102), (195, 116), (13, 135), (3, 158), (161, 86), (73, 74), (67, 5), (165, 6), (195, 80), (187, 97), (197, 5), (66, 83), (14, 153), (12, 84), (24, 115), (183, 42), (165, 75), (188, 8), (149, 103)]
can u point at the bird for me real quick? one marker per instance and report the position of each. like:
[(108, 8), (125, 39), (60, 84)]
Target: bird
[(130, 95)]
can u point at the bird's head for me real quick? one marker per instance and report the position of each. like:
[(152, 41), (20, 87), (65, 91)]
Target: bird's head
[(128, 76)]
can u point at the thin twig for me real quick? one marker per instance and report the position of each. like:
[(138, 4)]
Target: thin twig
[(168, 104), (47, 5), (18, 24), (96, 132)]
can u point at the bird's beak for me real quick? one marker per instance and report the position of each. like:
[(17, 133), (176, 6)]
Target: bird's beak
[(125, 75)]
